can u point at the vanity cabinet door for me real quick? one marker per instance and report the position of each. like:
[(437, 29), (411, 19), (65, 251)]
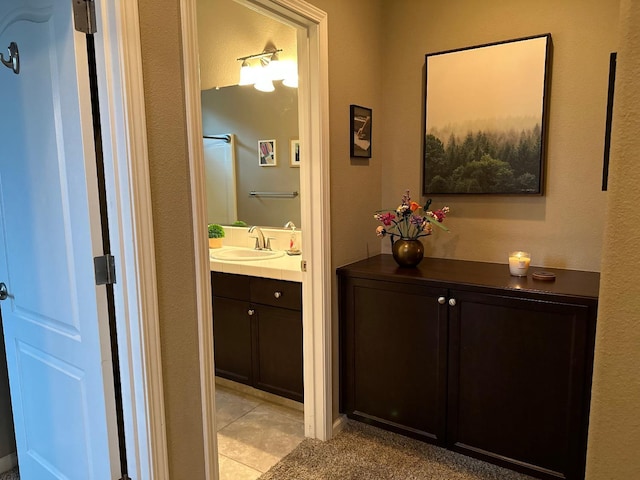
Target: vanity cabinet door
[(278, 352), (257, 330), (232, 339), (393, 345), (519, 382)]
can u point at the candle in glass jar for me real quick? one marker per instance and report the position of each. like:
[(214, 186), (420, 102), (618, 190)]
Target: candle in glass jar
[(519, 263)]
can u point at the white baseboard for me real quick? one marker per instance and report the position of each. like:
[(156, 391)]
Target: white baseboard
[(8, 462), (270, 397), (338, 424)]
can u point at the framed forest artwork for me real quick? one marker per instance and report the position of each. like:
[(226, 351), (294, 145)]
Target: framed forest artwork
[(485, 118)]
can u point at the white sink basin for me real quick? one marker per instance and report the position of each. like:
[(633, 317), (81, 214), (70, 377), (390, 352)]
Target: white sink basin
[(244, 254)]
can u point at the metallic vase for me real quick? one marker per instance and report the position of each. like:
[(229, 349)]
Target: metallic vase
[(407, 253)]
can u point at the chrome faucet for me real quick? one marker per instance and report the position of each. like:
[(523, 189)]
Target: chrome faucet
[(262, 243)]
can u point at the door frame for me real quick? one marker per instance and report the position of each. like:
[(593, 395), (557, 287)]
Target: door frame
[(127, 180), (121, 95), (313, 108)]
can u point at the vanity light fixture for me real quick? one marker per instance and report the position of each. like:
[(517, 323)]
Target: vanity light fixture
[(266, 68)]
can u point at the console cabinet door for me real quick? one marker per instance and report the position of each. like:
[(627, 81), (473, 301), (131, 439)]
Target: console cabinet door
[(232, 339), (394, 341), (519, 382), (278, 351)]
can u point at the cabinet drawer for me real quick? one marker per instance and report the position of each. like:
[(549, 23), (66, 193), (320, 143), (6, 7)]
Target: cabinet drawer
[(277, 293), (230, 285)]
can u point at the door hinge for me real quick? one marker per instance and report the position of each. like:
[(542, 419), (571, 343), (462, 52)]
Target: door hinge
[(303, 265), (105, 268), (84, 16)]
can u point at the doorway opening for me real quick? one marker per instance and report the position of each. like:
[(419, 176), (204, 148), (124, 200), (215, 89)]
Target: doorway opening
[(311, 31)]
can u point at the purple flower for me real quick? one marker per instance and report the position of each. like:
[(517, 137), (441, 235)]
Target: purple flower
[(417, 220)]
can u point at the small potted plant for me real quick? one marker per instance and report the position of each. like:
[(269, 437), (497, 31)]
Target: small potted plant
[(216, 234)]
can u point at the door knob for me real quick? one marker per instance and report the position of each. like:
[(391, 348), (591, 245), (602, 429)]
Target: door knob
[(277, 294), (4, 293), (452, 302), (441, 300), (251, 312)]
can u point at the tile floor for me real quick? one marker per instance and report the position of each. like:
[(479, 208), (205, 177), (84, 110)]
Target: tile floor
[(254, 433)]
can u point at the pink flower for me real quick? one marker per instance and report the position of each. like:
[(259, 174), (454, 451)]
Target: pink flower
[(385, 218), (441, 214)]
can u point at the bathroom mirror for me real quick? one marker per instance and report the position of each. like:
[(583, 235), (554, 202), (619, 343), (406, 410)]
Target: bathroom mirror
[(238, 120)]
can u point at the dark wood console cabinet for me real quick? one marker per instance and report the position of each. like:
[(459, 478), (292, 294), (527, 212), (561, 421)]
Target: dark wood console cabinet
[(257, 328), (463, 355)]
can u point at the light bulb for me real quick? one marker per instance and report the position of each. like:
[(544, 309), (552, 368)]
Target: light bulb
[(264, 84), (276, 68), (290, 75), (247, 74)]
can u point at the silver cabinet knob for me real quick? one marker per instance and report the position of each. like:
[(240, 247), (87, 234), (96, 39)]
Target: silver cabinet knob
[(277, 294), (441, 300), (251, 311), (4, 293), (452, 302)]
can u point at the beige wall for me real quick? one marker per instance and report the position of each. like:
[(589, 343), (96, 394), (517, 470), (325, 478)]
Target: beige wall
[(227, 31), (376, 57), (614, 433), (354, 78), (355, 63), (564, 227), (173, 227)]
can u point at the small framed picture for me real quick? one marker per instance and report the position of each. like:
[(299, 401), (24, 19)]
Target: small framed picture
[(294, 155), (360, 131), (267, 153)]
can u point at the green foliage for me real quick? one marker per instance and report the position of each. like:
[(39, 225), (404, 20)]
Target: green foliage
[(504, 161), (215, 230)]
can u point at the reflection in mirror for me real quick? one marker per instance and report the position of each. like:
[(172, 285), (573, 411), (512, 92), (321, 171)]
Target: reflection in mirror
[(250, 119)]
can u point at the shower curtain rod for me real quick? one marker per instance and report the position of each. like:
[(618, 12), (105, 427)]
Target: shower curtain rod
[(226, 138)]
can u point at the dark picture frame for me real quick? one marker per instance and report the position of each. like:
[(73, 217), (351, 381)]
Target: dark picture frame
[(360, 131), (485, 117), (294, 153), (609, 120)]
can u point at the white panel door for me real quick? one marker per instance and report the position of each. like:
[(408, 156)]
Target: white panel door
[(55, 318), (220, 170)]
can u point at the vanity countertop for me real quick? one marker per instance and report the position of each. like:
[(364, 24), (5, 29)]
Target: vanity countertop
[(286, 267)]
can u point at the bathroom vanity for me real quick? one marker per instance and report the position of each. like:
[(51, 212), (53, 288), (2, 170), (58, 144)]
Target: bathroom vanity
[(463, 355), (257, 325), (257, 313)]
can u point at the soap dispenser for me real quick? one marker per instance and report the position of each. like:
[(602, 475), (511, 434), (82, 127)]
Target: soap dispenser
[(294, 248)]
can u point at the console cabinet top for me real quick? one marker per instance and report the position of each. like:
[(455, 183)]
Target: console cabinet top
[(479, 276)]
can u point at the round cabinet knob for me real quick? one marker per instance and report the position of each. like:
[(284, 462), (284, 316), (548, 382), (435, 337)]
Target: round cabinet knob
[(277, 294), (452, 302), (441, 300), (251, 312)]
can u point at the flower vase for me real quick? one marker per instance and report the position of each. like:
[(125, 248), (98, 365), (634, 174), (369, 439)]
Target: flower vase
[(407, 253)]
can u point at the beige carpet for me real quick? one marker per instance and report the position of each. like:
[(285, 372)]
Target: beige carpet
[(363, 452), (10, 475)]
